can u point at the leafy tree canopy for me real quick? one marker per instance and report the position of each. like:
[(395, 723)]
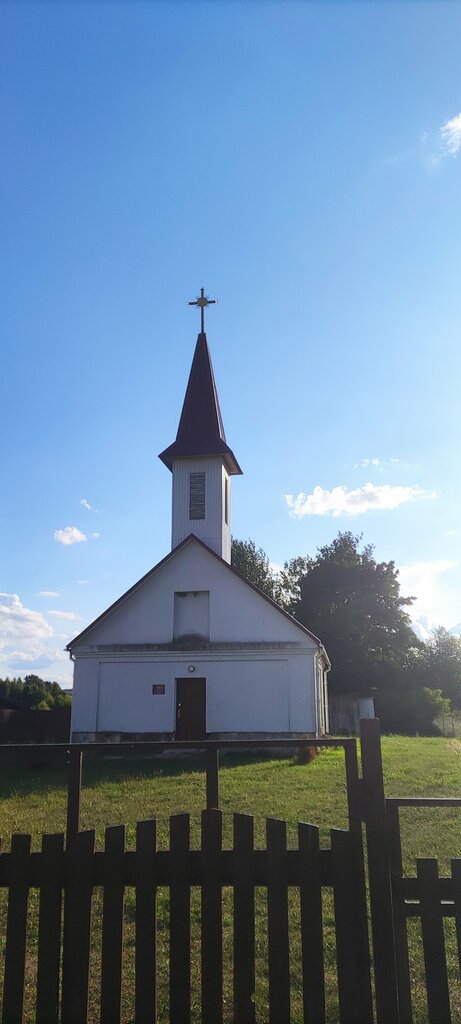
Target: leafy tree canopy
[(353, 603), (253, 564), (34, 693), (441, 664)]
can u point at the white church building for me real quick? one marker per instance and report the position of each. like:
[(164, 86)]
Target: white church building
[(192, 650)]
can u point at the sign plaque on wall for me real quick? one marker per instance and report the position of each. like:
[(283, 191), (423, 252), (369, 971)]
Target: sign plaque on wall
[(158, 688)]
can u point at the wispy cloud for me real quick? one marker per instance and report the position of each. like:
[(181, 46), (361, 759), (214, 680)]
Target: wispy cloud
[(86, 504), (95, 535), (439, 145), (382, 464), (72, 616), (83, 583), (35, 658), (450, 135), (366, 463), (340, 501), (47, 593), (69, 535), (432, 148)]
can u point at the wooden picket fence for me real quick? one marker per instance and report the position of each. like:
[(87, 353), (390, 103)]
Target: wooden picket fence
[(77, 871), (370, 909)]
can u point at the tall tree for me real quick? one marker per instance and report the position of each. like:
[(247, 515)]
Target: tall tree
[(283, 586), (353, 603), (442, 664), (253, 564)]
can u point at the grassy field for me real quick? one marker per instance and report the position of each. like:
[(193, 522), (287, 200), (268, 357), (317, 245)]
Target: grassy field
[(33, 800)]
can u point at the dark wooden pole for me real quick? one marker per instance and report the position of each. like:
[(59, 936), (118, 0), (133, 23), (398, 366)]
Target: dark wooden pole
[(387, 1009), (74, 785), (212, 782)]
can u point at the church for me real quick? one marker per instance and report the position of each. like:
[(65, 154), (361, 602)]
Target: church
[(193, 651)]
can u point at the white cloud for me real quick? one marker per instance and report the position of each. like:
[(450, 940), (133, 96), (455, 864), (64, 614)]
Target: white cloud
[(450, 135), (423, 626), (381, 464), (83, 583), (365, 463), (35, 658), (28, 641), (69, 535), (451, 533), (85, 504), (340, 501), (20, 623), (95, 535), (433, 147), (423, 581), (72, 616), (47, 593)]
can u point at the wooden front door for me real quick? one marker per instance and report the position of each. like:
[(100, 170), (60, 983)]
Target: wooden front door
[(190, 709)]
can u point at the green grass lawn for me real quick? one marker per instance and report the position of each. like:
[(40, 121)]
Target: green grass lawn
[(33, 800)]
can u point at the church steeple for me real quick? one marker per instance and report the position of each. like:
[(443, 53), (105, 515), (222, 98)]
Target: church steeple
[(200, 459), (201, 429)]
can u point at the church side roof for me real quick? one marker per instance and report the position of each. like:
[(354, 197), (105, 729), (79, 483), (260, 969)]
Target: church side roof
[(201, 429), (159, 565)]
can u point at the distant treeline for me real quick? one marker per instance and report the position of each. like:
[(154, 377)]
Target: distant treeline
[(34, 693)]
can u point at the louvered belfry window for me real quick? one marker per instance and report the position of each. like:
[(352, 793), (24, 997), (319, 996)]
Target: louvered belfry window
[(196, 495)]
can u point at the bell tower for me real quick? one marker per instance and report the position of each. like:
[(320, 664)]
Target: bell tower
[(200, 459)]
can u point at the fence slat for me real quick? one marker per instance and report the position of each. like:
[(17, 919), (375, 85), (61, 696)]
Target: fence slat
[(244, 920), (277, 921), (352, 949), (77, 926), (354, 807), (16, 931), (49, 929), (382, 922), (74, 786), (179, 920), (212, 968), (402, 958), (146, 924), (112, 926), (438, 997), (310, 887), (456, 876)]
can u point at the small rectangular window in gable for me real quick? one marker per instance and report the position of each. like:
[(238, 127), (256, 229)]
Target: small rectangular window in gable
[(196, 495)]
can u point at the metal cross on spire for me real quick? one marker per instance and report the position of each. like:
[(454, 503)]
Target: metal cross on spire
[(203, 301)]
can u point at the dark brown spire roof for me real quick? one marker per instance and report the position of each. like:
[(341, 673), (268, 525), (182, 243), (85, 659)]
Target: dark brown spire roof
[(201, 430)]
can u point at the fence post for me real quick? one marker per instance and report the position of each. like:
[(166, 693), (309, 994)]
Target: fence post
[(382, 924), (74, 785), (212, 783)]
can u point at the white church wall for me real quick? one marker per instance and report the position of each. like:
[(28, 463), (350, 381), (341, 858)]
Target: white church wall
[(247, 696), (85, 695), (236, 610), (251, 694), (126, 702), (301, 684)]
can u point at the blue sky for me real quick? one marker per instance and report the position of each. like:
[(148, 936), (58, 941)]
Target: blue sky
[(302, 162)]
